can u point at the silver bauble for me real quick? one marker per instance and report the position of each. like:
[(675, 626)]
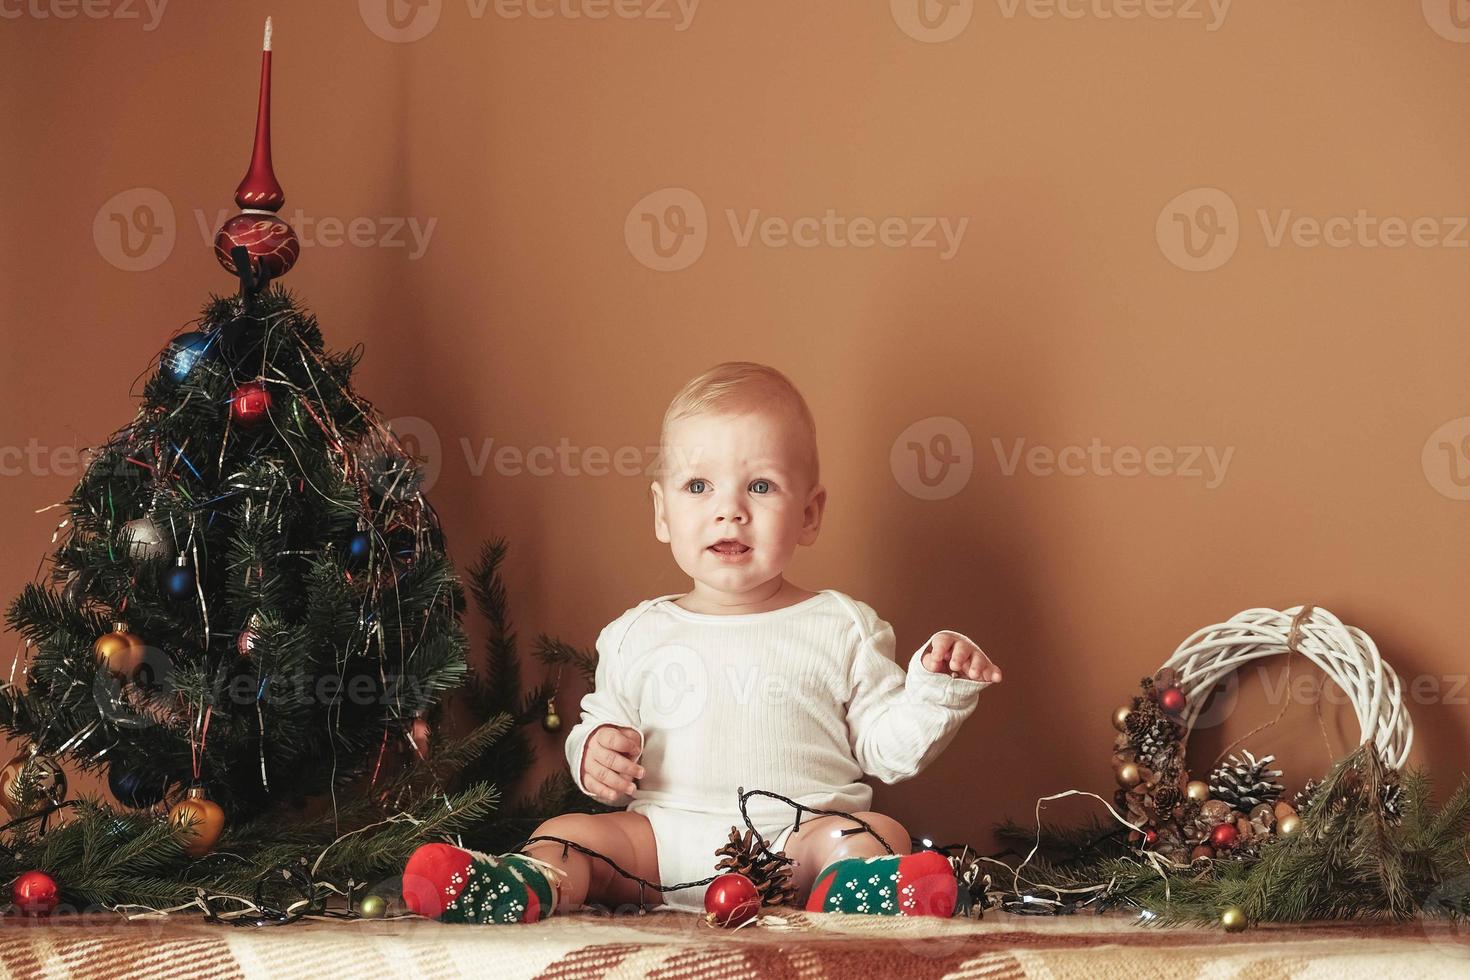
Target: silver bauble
[(145, 539)]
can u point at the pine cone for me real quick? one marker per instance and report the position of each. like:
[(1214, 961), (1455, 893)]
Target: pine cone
[(770, 875), (1307, 796), (1392, 801), (1244, 784)]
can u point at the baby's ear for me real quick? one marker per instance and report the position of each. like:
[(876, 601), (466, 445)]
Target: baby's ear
[(816, 506), (660, 523)]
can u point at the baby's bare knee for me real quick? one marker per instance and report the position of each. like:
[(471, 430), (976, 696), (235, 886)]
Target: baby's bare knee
[(894, 833)]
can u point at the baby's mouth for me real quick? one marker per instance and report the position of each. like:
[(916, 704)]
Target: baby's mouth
[(729, 548)]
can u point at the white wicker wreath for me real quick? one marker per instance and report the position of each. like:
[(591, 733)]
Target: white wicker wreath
[(1346, 654)]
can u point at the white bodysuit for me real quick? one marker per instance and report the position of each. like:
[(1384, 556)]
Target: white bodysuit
[(803, 701)]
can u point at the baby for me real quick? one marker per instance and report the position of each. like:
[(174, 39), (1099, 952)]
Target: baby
[(747, 680)]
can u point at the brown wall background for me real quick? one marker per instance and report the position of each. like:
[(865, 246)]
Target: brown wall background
[(1335, 375)]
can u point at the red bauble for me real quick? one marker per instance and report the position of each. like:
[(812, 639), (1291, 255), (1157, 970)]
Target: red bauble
[(1172, 700), (250, 403), (34, 893), (269, 240), (1225, 835), (731, 899), (1150, 837)]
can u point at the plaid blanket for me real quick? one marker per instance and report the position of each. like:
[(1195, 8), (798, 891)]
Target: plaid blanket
[(675, 945)]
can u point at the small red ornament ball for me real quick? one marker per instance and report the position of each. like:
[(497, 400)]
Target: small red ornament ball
[(731, 899), (34, 893), (1224, 836), (250, 403), (1150, 837), (269, 240), (1172, 700)]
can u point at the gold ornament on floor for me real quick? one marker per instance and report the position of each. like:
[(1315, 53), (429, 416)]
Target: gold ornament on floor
[(552, 721), (32, 775), (120, 652), (1233, 919), (199, 820), (770, 875), (373, 907)]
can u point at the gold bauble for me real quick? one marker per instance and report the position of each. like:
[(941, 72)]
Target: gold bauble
[(1233, 919), (373, 907), (200, 820), (1197, 790), (1120, 717), (120, 653), (48, 781), (552, 721), (1128, 774), (1288, 825)]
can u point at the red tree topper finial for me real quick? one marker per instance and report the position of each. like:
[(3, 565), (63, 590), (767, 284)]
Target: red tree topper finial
[(268, 241), (260, 190)]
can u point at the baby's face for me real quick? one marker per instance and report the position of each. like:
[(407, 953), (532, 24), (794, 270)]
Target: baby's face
[(742, 477)]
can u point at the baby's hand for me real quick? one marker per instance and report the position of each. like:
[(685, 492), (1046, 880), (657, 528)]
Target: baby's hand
[(953, 654), (608, 762)]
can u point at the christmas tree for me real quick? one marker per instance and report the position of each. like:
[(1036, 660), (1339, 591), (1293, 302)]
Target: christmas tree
[(250, 607)]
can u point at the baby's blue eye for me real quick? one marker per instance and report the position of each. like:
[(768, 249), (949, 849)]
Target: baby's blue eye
[(761, 486), (692, 484)]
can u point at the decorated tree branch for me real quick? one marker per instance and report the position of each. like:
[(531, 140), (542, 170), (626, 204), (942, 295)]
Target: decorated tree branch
[(1366, 840)]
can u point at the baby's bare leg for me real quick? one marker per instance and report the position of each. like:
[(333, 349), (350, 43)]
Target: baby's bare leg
[(626, 838), (813, 847)]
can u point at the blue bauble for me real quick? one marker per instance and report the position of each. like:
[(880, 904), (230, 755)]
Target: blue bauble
[(134, 789), (184, 352), (180, 581), (359, 546)]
